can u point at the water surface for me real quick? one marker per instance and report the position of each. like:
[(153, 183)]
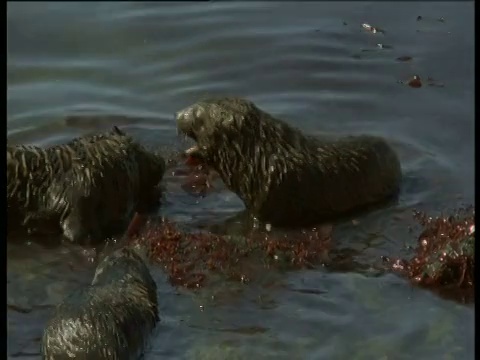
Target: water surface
[(310, 63)]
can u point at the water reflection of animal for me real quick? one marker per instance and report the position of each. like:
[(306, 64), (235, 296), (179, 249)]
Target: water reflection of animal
[(88, 186), (283, 176), (111, 319)]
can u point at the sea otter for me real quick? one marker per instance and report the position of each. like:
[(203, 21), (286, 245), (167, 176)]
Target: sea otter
[(110, 319), (283, 176), (88, 187)]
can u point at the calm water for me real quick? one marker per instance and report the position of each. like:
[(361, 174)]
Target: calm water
[(311, 64)]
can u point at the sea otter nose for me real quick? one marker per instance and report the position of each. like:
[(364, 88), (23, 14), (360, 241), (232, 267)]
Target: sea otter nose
[(178, 115), (185, 115), (185, 121)]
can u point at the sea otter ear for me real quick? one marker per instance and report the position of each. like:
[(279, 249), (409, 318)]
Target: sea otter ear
[(239, 120)]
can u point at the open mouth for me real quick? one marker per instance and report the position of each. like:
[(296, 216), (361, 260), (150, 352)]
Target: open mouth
[(194, 151), (194, 156)]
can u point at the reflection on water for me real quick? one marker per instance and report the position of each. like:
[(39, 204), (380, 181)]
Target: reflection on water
[(311, 64)]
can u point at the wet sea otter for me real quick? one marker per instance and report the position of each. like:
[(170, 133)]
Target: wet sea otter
[(111, 319), (89, 186), (283, 176)]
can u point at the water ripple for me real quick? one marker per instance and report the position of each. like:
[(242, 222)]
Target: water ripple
[(310, 63)]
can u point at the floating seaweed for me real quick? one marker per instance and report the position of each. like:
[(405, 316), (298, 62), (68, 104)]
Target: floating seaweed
[(404, 58), (190, 258), (198, 177), (415, 80), (444, 259)]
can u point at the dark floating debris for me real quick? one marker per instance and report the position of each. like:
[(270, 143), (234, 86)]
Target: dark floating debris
[(435, 83), (444, 259), (404, 58), (415, 82), (440, 19), (372, 29)]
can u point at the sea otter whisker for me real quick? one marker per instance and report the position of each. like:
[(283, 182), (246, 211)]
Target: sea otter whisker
[(193, 151)]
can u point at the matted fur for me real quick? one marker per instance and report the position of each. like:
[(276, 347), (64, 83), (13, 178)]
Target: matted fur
[(88, 186), (283, 176), (111, 319)]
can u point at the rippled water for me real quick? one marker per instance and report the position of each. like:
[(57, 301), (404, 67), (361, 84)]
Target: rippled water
[(311, 64)]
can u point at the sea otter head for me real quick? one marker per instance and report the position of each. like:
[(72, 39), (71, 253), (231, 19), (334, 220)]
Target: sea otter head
[(235, 126), (218, 122), (124, 264), (246, 146)]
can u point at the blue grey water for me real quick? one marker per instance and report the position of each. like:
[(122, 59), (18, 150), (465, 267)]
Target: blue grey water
[(310, 63)]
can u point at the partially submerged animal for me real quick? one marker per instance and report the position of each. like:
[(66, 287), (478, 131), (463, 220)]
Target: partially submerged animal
[(110, 319), (89, 187), (283, 176)]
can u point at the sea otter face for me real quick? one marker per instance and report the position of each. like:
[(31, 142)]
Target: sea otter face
[(209, 121)]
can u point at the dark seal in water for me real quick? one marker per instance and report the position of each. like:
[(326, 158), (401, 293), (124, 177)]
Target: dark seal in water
[(283, 176), (89, 186), (111, 319)]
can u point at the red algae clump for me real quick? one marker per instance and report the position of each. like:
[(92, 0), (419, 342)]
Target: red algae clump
[(196, 176), (444, 259), (190, 258)]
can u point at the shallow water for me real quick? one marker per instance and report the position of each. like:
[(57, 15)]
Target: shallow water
[(311, 64)]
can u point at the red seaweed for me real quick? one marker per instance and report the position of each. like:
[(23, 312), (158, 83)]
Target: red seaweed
[(444, 259), (191, 258)]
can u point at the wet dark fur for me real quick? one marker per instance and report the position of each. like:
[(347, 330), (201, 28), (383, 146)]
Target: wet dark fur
[(89, 186), (283, 176), (111, 319)]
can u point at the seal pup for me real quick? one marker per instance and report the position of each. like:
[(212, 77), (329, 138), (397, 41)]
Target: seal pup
[(283, 176)]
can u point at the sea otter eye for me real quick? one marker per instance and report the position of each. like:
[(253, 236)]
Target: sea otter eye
[(199, 119), (199, 113), (227, 118)]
